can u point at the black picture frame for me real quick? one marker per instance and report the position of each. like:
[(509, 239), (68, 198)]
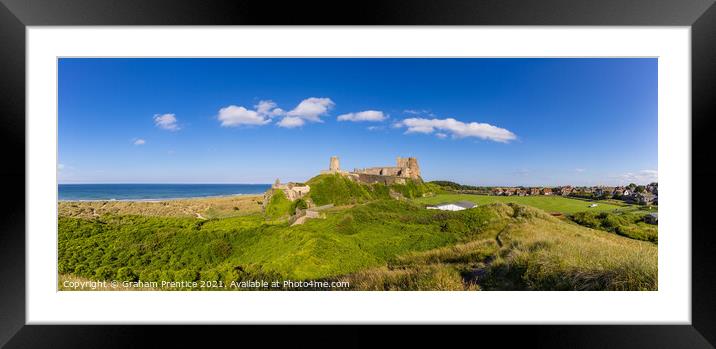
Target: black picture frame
[(16, 15)]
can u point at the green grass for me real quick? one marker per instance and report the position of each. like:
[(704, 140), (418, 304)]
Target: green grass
[(630, 224), (340, 190), (547, 203), (278, 206), (179, 248), (385, 244)]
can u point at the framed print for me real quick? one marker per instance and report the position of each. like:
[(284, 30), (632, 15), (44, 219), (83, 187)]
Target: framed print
[(467, 164)]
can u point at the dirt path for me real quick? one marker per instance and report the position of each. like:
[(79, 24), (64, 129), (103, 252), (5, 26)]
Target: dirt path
[(474, 276), (497, 237)]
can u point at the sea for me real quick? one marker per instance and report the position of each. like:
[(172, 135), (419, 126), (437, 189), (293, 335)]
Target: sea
[(150, 192)]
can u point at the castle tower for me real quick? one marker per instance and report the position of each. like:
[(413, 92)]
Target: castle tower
[(414, 168), (334, 165)]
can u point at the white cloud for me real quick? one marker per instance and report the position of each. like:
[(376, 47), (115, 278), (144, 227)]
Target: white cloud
[(60, 167), (139, 141), (580, 170), (269, 108), (375, 128), (291, 122), (368, 115), (233, 116), (264, 107), (311, 109), (640, 177), (166, 122), (457, 129), (441, 135)]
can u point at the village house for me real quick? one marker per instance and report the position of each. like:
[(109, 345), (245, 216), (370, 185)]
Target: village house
[(641, 199), (565, 191), (618, 192)]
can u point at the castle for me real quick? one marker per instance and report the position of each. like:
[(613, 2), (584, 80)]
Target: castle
[(406, 168)]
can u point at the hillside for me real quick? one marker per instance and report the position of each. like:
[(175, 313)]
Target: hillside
[(384, 244), (340, 190)]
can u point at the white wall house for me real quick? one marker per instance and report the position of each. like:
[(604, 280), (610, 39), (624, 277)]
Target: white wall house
[(452, 206)]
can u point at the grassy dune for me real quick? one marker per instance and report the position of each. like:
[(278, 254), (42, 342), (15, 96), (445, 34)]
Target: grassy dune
[(215, 207), (547, 203), (533, 251)]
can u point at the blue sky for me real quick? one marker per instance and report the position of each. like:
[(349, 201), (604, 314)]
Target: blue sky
[(474, 121)]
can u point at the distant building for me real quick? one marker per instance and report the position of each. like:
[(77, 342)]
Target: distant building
[(291, 190), (453, 206), (641, 198), (546, 191)]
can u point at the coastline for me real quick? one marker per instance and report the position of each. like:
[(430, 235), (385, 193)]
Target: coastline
[(161, 199)]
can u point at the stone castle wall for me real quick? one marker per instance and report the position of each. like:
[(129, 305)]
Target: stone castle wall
[(406, 168)]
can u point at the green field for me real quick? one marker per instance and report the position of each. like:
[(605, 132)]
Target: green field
[(547, 203), (381, 245)]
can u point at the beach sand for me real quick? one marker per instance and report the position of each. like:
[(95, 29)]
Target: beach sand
[(201, 208)]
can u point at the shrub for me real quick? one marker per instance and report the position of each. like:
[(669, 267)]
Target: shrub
[(346, 226), (299, 204), (126, 274), (625, 224), (219, 249), (104, 273)]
